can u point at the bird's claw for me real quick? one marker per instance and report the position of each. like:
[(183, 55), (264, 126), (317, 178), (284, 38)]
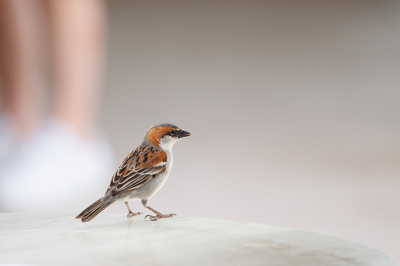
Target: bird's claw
[(159, 216), (131, 214)]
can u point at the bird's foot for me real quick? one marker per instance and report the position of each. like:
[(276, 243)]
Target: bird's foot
[(131, 214), (159, 216)]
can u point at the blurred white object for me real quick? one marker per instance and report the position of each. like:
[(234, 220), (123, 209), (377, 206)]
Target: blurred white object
[(55, 171), (8, 139)]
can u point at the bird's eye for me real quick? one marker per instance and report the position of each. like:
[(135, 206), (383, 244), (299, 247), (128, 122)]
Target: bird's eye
[(172, 132)]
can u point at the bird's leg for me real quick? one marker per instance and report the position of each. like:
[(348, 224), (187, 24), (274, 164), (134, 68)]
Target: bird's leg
[(158, 214), (131, 214)]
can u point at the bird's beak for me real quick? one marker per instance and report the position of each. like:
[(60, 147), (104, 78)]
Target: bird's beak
[(183, 134)]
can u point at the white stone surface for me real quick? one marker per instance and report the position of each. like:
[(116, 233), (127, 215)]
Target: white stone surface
[(59, 239)]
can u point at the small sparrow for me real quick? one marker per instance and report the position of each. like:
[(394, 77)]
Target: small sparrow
[(141, 174)]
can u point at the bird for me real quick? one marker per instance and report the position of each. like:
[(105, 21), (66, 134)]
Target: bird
[(142, 173)]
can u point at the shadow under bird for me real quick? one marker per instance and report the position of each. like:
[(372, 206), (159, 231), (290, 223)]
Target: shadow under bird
[(141, 174)]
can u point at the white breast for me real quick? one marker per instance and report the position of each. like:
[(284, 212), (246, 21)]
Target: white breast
[(152, 187)]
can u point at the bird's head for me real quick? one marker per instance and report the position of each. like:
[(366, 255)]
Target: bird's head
[(164, 136)]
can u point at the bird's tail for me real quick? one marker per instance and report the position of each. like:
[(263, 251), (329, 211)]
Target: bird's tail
[(93, 210)]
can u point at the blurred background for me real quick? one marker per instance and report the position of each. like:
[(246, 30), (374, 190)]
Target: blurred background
[(294, 107)]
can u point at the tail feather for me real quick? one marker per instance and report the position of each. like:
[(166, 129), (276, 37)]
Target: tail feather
[(93, 210)]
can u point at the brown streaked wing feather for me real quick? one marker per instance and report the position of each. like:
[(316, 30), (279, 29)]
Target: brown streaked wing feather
[(137, 169), (121, 171), (134, 180)]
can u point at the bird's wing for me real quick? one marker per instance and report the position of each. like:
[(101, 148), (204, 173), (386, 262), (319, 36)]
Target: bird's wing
[(139, 167)]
